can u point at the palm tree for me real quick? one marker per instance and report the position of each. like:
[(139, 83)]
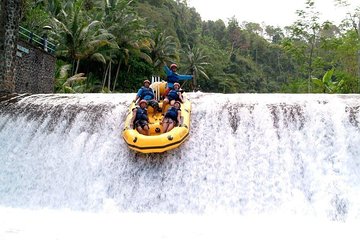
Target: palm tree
[(79, 38), (123, 23), (69, 84), (52, 7), (163, 49), (196, 62)]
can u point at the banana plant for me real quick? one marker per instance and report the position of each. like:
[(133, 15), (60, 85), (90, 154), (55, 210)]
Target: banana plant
[(326, 85)]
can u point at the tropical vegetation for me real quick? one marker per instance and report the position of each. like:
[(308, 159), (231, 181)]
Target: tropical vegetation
[(113, 45)]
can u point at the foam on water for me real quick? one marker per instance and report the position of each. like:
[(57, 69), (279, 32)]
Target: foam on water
[(247, 155)]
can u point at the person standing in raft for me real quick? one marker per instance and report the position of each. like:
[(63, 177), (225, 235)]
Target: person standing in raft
[(147, 93), (140, 118), (172, 117), (173, 76)]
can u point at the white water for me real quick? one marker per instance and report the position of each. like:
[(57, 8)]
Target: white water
[(252, 162)]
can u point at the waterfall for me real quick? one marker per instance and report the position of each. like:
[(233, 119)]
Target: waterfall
[(246, 154)]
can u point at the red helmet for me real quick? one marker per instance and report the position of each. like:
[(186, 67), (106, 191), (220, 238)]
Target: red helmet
[(173, 66), (176, 84), (146, 81), (143, 101)]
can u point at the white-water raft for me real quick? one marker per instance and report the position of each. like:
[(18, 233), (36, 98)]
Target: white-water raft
[(158, 142)]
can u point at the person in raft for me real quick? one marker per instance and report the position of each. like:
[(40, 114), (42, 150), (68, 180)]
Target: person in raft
[(147, 93), (172, 77), (173, 95), (172, 117), (140, 118)]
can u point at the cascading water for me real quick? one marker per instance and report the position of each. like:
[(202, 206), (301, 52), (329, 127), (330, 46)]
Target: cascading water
[(247, 155)]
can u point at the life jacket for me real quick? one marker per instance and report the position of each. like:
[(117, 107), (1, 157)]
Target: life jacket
[(141, 114), (173, 94), (146, 92), (172, 113)]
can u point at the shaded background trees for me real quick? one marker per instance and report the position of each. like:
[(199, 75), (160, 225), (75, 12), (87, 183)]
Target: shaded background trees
[(118, 43)]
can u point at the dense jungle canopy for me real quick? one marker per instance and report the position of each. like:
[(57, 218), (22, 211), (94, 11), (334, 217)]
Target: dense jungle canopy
[(113, 45)]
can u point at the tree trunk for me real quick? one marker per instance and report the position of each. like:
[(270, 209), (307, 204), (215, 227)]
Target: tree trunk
[(311, 60), (77, 66), (9, 27), (117, 74), (104, 81), (193, 73), (109, 77), (195, 87), (279, 67)]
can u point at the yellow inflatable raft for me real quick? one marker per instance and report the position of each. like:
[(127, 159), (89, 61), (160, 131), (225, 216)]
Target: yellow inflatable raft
[(158, 142)]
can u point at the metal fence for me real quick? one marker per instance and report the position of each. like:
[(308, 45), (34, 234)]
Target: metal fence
[(41, 42)]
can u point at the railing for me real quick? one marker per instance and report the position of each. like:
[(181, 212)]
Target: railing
[(36, 40), (157, 87)]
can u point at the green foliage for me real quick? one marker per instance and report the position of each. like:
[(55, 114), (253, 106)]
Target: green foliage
[(218, 60), (247, 72), (157, 17), (78, 37), (162, 49), (67, 84), (35, 18), (61, 74), (295, 86), (115, 44), (196, 62), (326, 85), (132, 79)]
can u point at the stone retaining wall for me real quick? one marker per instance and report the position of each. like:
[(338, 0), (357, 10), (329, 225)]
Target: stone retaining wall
[(34, 69)]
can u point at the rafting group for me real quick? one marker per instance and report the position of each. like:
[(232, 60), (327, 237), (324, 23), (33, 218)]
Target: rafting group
[(159, 117)]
